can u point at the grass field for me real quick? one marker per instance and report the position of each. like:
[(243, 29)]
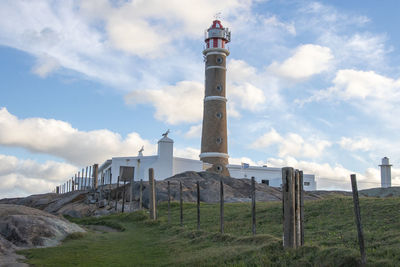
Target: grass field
[(330, 237)]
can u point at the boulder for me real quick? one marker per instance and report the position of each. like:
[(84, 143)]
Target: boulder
[(25, 227)]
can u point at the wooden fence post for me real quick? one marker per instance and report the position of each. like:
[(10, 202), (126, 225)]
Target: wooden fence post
[(141, 194), (95, 174), (123, 197), (357, 214), (181, 202), (86, 178), (297, 207), (83, 179), (110, 187), (116, 195), (288, 199), (132, 192), (169, 202), (253, 205), (221, 207), (155, 198), (74, 183), (301, 208), (152, 195), (198, 205), (90, 183), (79, 181)]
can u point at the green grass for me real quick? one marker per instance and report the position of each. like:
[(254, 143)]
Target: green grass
[(330, 236)]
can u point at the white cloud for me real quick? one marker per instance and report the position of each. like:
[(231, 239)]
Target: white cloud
[(188, 152), (239, 161), (268, 139), (306, 61), (370, 92), (292, 144), (58, 36), (354, 84), (174, 104), (363, 144), (58, 138), (25, 177), (194, 131), (45, 65), (274, 21), (242, 86)]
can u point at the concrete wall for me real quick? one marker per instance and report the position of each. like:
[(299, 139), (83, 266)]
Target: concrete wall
[(259, 173), (273, 175), (182, 165)]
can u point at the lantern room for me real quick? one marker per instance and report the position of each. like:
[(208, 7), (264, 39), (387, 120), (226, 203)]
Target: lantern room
[(217, 36)]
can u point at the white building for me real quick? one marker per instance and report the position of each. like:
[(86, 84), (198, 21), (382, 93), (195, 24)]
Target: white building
[(386, 174), (166, 165)]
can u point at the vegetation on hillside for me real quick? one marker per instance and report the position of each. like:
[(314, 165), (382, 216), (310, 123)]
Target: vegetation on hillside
[(330, 236)]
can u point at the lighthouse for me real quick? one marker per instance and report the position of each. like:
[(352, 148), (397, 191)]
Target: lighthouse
[(386, 175), (214, 139)]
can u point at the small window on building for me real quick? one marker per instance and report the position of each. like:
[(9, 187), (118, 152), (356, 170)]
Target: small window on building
[(220, 60), (265, 182), (306, 183), (219, 168), (219, 140), (219, 115), (219, 88)]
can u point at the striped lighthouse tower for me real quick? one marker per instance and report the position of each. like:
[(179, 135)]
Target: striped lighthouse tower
[(214, 143)]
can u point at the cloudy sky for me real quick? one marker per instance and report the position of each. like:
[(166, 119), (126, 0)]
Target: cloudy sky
[(313, 85)]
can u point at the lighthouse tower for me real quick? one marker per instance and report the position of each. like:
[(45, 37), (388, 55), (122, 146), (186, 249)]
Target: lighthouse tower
[(214, 143), (386, 175)]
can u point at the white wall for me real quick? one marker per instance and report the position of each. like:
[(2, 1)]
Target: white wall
[(259, 173), (274, 175), (166, 165), (182, 165)]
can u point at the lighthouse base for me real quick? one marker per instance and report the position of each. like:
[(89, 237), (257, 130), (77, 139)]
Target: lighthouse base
[(218, 165)]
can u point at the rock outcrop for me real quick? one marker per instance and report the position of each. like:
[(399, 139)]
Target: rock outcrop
[(25, 227)]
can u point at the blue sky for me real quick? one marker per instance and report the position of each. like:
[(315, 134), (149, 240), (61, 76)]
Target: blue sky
[(313, 85)]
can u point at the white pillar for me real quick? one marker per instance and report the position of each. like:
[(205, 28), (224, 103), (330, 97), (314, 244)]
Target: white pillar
[(386, 174)]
